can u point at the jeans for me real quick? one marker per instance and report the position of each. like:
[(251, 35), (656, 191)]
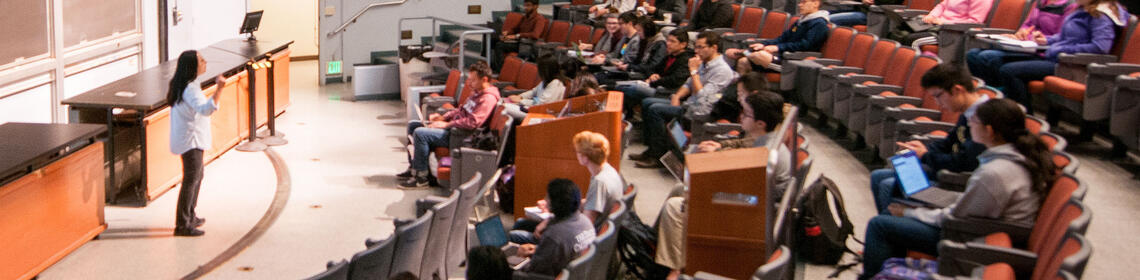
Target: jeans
[(188, 195), (634, 94), (889, 236), (848, 18), (657, 113), (523, 231), (1015, 75), (425, 139), (984, 63), (884, 187)]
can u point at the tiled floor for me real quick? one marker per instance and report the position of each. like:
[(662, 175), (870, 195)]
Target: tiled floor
[(342, 158)]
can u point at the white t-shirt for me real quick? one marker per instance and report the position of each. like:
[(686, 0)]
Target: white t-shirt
[(605, 189)]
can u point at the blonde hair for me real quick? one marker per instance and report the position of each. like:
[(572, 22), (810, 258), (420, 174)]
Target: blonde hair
[(593, 145)]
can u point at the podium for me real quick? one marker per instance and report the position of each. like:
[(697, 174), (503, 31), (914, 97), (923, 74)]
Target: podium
[(726, 205), (543, 143)]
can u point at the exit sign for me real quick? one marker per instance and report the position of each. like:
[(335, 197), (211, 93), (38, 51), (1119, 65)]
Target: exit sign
[(334, 67)]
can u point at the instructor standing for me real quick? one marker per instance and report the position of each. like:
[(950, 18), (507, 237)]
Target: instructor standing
[(190, 135)]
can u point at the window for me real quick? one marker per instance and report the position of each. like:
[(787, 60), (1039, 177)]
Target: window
[(25, 32)]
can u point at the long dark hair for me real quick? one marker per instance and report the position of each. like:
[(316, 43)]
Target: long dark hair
[(548, 69), (186, 72), (648, 31), (1008, 121)]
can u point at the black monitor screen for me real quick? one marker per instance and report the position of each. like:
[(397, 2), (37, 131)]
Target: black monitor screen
[(252, 20)]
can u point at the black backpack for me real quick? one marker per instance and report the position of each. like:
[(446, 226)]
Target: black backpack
[(637, 248), (821, 238)]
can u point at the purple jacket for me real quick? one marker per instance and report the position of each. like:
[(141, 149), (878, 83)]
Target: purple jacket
[(1048, 19), (1083, 33)]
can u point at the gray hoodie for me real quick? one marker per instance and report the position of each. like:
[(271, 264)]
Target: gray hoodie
[(999, 189)]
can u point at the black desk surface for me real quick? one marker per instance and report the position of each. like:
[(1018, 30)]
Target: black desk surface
[(252, 50), (150, 85), (24, 145)]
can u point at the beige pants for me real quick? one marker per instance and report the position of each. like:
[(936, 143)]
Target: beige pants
[(671, 234)]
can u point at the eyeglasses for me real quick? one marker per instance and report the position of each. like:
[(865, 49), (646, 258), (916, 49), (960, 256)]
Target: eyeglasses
[(700, 46), (937, 93)]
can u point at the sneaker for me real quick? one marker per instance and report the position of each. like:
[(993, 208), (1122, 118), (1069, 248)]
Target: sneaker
[(417, 182), (406, 174), (641, 157), (648, 164), (188, 232), (198, 222)]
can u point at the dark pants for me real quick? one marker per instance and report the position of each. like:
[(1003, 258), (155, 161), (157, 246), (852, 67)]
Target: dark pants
[(191, 183), (985, 63), (889, 236), (1016, 76), (657, 113)]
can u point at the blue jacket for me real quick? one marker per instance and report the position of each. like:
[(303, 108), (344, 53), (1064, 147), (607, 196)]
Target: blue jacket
[(807, 34), (1083, 33)]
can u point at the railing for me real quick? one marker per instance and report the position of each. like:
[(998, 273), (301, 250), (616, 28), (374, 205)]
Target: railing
[(344, 25), (469, 30)]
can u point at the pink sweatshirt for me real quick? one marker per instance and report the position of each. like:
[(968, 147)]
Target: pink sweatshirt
[(476, 111), (962, 11)]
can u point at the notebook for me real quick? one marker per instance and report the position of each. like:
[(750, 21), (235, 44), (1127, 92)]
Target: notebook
[(916, 186), (492, 233)]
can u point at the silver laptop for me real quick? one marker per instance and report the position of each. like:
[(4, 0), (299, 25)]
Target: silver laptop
[(916, 186)]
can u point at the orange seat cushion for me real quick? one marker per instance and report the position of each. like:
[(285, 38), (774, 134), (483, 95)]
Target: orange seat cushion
[(443, 173), (939, 133), (887, 93), (1065, 88), (907, 106), (861, 28), (920, 119), (867, 83), (1036, 87), (1135, 75), (773, 77), (1060, 161), (998, 271), (447, 106), (929, 48), (999, 239), (441, 152), (919, 255)]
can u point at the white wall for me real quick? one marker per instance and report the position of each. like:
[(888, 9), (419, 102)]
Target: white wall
[(289, 20), (203, 23), (377, 30)]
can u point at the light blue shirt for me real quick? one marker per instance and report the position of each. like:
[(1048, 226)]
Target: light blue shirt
[(190, 120)]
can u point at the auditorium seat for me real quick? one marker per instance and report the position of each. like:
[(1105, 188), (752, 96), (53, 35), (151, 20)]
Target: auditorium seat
[(1066, 187), (1125, 118), (1067, 262), (618, 212), (334, 271), (1053, 141), (375, 262), (578, 269), (907, 120), (528, 78), (555, 36), (513, 20), (629, 195), (1048, 234), (1082, 82), (432, 97), (859, 87), (434, 258), (748, 24), (464, 161), (775, 269), (838, 41), (411, 239), (881, 97), (952, 38), (809, 71), (774, 23), (879, 24), (509, 74), (606, 244), (877, 64)]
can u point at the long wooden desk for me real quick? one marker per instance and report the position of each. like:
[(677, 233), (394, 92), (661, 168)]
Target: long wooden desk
[(51, 193), (543, 144), (134, 109)]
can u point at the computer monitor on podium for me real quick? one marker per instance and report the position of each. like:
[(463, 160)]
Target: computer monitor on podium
[(250, 23)]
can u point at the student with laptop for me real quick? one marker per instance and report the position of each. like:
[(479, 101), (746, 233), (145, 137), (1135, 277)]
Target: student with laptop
[(947, 12), (1015, 175), (762, 112), (954, 91), (565, 235)]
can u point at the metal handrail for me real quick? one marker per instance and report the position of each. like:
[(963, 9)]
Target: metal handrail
[(361, 12), (470, 30)]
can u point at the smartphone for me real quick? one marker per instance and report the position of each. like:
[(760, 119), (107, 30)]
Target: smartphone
[(747, 52)]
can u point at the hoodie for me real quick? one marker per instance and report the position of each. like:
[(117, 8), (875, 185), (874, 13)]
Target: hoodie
[(999, 189), (1083, 33), (808, 34), (1047, 16)]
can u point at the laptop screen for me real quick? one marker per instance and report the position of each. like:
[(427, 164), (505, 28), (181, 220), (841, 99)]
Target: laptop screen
[(678, 134), (491, 232), (909, 173)]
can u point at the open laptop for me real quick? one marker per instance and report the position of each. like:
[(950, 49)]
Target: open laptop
[(915, 24), (679, 140), (492, 233), (675, 166), (915, 184)]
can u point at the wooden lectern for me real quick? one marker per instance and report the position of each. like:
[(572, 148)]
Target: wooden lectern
[(543, 148), (725, 232)]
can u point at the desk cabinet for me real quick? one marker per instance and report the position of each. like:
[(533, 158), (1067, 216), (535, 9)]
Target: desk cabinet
[(724, 233), (50, 212)]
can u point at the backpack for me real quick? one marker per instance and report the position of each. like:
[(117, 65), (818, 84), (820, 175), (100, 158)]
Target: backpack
[(820, 238), (637, 250)]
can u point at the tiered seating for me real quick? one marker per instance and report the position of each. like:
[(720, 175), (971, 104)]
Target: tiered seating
[(878, 97), (836, 46), (1125, 118), (952, 38), (1083, 81), (335, 271), (826, 93), (809, 71), (435, 257), (879, 24), (772, 24)]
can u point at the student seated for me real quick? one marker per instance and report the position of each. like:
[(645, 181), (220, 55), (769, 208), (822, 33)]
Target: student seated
[(526, 29), (947, 12), (562, 237), (852, 18), (657, 12), (434, 132), (709, 74), (606, 185), (954, 91), (665, 77), (711, 14), (583, 85), (1091, 29), (652, 51), (1015, 175), (611, 39), (763, 112), (808, 34), (551, 88), (628, 48), (620, 5)]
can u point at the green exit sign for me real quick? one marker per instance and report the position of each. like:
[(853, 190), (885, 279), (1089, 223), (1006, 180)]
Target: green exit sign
[(334, 67)]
